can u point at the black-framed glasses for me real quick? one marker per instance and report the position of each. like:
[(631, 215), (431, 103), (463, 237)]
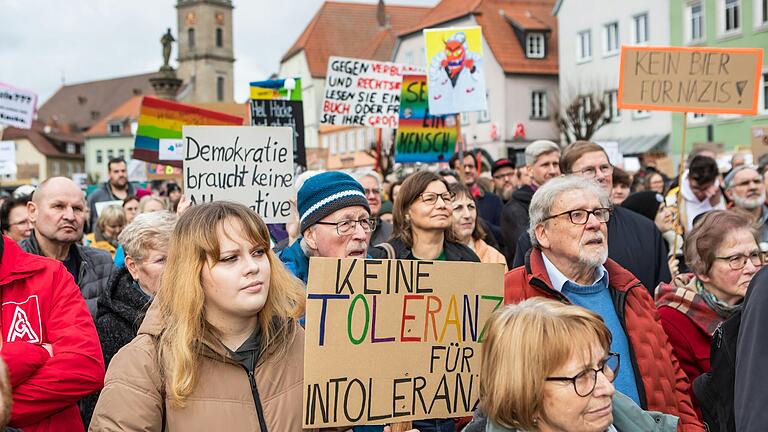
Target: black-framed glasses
[(581, 216), (347, 226), (605, 169), (585, 382), (739, 261), (431, 197)]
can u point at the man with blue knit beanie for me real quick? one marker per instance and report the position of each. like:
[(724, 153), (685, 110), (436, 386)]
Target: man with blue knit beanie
[(334, 220)]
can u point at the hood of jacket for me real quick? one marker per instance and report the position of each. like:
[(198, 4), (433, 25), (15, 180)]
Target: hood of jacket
[(524, 194), (122, 298)]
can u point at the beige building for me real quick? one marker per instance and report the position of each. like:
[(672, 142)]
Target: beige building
[(205, 51), (44, 151), (111, 137)]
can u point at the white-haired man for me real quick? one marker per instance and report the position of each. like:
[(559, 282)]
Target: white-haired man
[(569, 262), (745, 187)]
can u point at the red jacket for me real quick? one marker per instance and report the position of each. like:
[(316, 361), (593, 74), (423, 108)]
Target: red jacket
[(665, 386), (40, 304)]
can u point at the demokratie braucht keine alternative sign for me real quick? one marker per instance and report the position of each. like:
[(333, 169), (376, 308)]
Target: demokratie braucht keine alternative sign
[(395, 340), (251, 165), (690, 79), (422, 137)]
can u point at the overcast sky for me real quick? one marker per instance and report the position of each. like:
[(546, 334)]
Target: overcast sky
[(46, 42)]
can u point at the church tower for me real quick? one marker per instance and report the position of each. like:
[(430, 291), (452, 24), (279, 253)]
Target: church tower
[(205, 53)]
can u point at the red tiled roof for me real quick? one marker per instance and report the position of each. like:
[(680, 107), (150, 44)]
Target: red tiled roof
[(81, 105), (50, 144), (128, 111), (496, 17), (352, 30)]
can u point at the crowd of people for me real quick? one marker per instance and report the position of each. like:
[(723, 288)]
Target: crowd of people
[(633, 300)]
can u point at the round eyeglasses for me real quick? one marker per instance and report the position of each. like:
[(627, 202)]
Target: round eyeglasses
[(585, 382)]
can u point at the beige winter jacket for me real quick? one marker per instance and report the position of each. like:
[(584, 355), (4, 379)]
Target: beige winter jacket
[(132, 399)]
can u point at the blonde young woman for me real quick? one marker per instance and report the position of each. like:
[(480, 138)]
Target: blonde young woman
[(220, 348)]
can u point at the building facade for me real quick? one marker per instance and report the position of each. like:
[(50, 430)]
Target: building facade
[(205, 51), (44, 151), (591, 34), (520, 55), (725, 24)]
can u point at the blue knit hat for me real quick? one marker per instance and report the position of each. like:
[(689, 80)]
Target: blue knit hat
[(325, 193)]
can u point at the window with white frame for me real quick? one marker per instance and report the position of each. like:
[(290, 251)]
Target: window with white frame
[(351, 141), (535, 45), (729, 12), (641, 114), (115, 127), (695, 22), (612, 111), (56, 168), (71, 148), (361, 145), (110, 154), (611, 38), (761, 13), (121, 153), (584, 46), (764, 93), (538, 104), (640, 29), (484, 116), (342, 143), (464, 117), (99, 156)]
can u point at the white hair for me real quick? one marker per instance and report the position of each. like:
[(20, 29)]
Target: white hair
[(147, 231)]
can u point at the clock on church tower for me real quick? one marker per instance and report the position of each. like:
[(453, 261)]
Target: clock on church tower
[(205, 50)]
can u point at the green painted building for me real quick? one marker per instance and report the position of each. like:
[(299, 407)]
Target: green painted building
[(726, 24)]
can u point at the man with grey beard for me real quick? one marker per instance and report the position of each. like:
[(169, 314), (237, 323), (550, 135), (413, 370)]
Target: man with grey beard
[(745, 187), (569, 262)]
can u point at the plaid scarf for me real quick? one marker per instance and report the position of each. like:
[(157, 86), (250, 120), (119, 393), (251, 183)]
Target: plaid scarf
[(689, 296)]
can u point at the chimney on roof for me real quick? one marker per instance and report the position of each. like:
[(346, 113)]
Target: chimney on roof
[(381, 14)]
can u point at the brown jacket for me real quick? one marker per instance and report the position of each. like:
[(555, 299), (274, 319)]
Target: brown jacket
[(132, 399), (488, 254)]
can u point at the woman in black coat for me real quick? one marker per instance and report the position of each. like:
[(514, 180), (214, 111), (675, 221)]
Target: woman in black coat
[(131, 289)]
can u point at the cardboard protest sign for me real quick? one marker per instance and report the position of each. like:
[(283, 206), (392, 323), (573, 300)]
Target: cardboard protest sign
[(289, 113), (759, 141), (8, 158), (162, 119), (363, 92), (456, 72), (100, 206), (17, 106), (395, 340), (284, 89), (251, 165), (422, 137), (688, 79)]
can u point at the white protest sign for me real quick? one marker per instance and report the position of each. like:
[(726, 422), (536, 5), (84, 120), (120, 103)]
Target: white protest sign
[(7, 157), (363, 92), (171, 149), (100, 206), (612, 150), (252, 165), (17, 106)]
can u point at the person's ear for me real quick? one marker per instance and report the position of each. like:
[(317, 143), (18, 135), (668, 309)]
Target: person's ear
[(310, 238), (729, 194), (32, 211), (132, 266), (542, 237)]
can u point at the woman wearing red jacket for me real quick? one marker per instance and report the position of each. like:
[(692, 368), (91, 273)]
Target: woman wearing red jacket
[(723, 254)]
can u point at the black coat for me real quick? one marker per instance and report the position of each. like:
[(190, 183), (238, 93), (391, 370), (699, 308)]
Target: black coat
[(121, 311), (633, 241), (514, 220), (489, 207)]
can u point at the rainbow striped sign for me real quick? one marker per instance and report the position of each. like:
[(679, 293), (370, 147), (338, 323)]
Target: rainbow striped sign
[(422, 137), (160, 122)]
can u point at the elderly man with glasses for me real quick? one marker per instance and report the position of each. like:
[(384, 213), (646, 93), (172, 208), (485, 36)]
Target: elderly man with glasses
[(334, 220), (635, 242), (569, 262), (745, 187)]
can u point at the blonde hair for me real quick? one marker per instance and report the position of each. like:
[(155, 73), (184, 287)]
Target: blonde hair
[(181, 298), (145, 200), (111, 215), (525, 343)]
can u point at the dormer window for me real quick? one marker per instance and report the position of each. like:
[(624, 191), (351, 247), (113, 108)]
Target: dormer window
[(535, 45), (115, 128)]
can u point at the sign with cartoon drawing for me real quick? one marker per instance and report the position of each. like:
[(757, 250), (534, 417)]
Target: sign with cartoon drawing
[(456, 72)]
